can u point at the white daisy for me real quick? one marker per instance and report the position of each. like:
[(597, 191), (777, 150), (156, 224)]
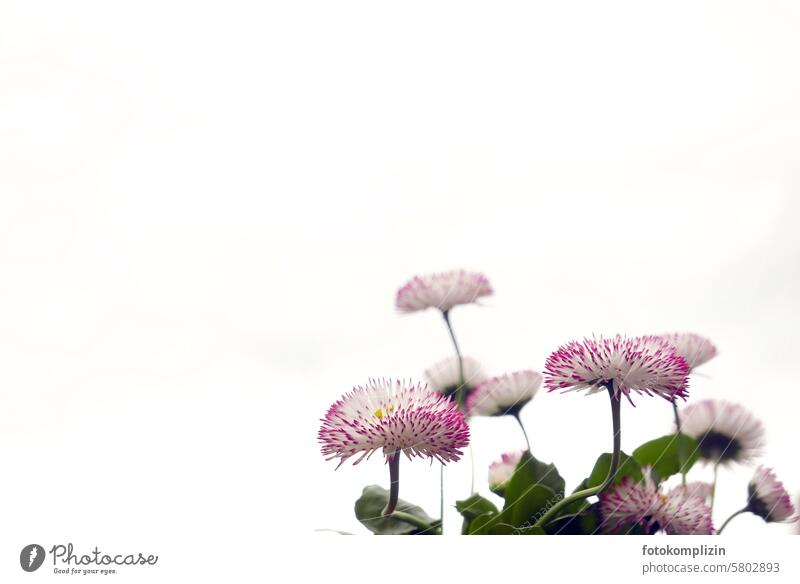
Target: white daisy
[(442, 290), (727, 432)]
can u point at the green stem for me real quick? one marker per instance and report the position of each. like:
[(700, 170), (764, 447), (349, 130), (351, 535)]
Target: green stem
[(524, 433), (459, 395), (416, 521), (612, 471), (459, 399), (394, 483), (714, 486), (471, 470), (441, 496), (681, 445), (728, 520)]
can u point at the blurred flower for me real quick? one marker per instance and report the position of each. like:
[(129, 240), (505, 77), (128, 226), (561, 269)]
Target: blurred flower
[(393, 416), (647, 365), (797, 528), (640, 504), (726, 432), (694, 349), (697, 489), (768, 498), (445, 377), (442, 290), (630, 504), (505, 394), (684, 513), (500, 471)]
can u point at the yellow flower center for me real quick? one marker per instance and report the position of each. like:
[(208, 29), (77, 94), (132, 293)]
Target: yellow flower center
[(385, 411)]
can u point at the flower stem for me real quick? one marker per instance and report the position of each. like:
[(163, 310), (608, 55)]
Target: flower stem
[(612, 471), (459, 399), (728, 520), (714, 485), (416, 521), (471, 470), (524, 433), (441, 496), (394, 483), (681, 445), (459, 395)]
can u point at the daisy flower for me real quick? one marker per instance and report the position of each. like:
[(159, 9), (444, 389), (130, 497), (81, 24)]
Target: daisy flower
[(647, 365), (694, 349), (768, 498), (445, 376), (442, 290), (684, 512), (697, 489), (630, 503), (394, 417), (621, 365), (500, 471), (725, 431), (641, 504), (504, 395)]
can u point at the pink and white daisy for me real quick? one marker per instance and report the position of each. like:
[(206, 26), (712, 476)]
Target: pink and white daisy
[(631, 505), (442, 290), (696, 489), (647, 365), (768, 498), (505, 394), (445, 376), (501, 471), (695, 349), (726, 432), (393, 416), (683, 512)]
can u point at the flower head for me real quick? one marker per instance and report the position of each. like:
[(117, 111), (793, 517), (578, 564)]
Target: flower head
[(694, 349), (442, 290), (630, 504), (640, 504), (725, 431), (697, 489), (445, 376), (500, 471), (646, 365), (390, 416), (768, 497), (505, 394), (684, 511)]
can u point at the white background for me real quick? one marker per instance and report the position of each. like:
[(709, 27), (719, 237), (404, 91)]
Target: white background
[(206, 210)]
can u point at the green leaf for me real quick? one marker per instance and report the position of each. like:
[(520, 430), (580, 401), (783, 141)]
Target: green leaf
[(531, 504), (628, 467), (501, 529), (481, 524), (472, 507), (529, 531), (531, 471), (475, 505), (663, 454), (584, 522), (533, 487), (576, 506), (369, 511)]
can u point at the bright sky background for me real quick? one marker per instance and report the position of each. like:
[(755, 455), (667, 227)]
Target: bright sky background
[(206, 210)]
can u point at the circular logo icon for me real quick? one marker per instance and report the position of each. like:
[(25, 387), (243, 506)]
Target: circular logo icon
[(31, 557)]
